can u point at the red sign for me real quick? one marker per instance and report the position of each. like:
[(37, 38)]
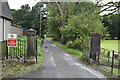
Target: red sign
[(12, 41)]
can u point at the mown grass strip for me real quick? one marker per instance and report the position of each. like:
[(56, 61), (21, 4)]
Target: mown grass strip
[(71, 51)]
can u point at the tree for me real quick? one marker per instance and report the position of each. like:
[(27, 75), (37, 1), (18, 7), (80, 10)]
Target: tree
[(30, 18), (78, 28), (112, 22), (38, 13), (61, 12), (59, 17), (22, 17)]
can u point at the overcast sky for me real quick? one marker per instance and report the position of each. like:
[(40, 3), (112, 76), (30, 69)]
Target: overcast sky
[(16, 4)]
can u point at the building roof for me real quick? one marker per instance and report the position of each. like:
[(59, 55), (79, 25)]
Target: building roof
[(5, 10), (19, 27)]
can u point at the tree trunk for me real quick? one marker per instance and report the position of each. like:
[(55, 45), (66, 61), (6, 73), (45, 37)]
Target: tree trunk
[(63, 41)]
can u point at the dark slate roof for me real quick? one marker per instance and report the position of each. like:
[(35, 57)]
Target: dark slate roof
[(19, 27), (5, 10)]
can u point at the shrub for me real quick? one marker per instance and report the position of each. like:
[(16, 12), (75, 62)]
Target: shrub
[(84, 58), (76, 44)]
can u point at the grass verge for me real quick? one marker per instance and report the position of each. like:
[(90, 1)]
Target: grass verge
[(78, 54), (115, 70), (14, 69)]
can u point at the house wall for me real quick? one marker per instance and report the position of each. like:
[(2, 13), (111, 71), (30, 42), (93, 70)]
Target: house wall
[(0, 50), (7, 28), (17, 30), (1, 29)]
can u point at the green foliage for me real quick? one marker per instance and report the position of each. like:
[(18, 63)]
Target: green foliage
[(73, 22), (73, 52), (84, 58), (30, 18), (76, 8), (65, 14), (53, 20), (76, 44), (22, 17), (112, 22), (79, 27), (53, 27)]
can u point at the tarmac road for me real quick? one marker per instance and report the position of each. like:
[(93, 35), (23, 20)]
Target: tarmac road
[(58, 64)]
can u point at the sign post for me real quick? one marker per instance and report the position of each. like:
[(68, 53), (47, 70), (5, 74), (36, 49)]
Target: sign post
[(12, 42)]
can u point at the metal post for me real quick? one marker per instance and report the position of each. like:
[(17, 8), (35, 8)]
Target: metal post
[(12, 54), (24, 50), (112, 66), (108, 56), (40, 24), (18, 47), (98, 60), (6, 51), (36, 49), (119, 69)]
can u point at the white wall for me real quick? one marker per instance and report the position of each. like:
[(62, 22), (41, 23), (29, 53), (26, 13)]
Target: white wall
[(7, 28), (1, 29)]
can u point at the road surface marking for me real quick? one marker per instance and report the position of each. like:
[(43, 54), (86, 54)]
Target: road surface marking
[(53, 45), (53, 61), (77, 64), (91, 71), (66, 55), (46, 50)]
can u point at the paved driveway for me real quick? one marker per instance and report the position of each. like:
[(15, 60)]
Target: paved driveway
[(58, 64)]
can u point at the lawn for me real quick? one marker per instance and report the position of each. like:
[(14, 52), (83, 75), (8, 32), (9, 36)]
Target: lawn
[(111, 44)]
